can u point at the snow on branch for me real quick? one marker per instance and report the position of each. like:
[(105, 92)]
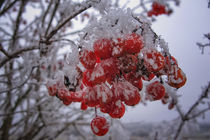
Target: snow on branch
[(191, 114), (202, 46), (82, 8)]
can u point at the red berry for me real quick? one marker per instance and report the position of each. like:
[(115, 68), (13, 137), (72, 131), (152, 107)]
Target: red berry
[(77, 96), (110, 68), (108, 107), (171, 106), (138, 83), (118, 89), (133, 98), (98, 75), (83, 106), (118, 48), (103, 48), (126, 92), (176, 77), (150, 13), (87, 77), (52, 89), (165, 99), (90, 97), (104, 93), (99, 126), (157, 9), (170, 61), (118, 111), (66, 101), (133, 43), (153, 60), (88, 59), (98, 60), (134, 79), (155, 91), (148, 77), (64, 95)]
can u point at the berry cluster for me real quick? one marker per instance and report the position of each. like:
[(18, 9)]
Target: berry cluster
[(113, 77), (157, 9)]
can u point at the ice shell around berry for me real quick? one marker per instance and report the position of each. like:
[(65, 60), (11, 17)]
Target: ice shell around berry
[(103, 48), (155, 91), (99, 126)]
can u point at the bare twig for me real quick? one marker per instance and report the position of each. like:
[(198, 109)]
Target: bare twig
[(179, 130), (202, 46), (13, 113), (156, 136), (15, 54), (21, 84), (52, 16), (8, 7), (209, 4), (5, 32), (3, 51), (203, 95), (187, 116), (59, 26), (199, 113), (17, 23), (46, 12), (180, 112), (77, 129)]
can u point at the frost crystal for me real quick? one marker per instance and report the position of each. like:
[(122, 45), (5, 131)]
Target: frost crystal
[(116, 23), (102, 6)]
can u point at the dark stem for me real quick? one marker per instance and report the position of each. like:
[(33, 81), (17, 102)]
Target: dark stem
[(17, 23), (59, 26), (52, 16), (179, 130), (6, 8), (96, 112)]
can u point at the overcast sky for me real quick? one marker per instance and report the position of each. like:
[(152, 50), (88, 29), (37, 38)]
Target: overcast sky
[(181, 30)]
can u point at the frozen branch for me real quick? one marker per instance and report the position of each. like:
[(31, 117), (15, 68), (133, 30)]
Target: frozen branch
[(5, 9), (3, 50), (17, 23), (199, 113), (202, 46), (200, 99), (187, 116), (46, 12), (60, 25), (21, 84), (180, 111), (52, 16), (16, 54)]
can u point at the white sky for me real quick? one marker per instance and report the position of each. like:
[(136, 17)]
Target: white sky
[(181, 30)]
